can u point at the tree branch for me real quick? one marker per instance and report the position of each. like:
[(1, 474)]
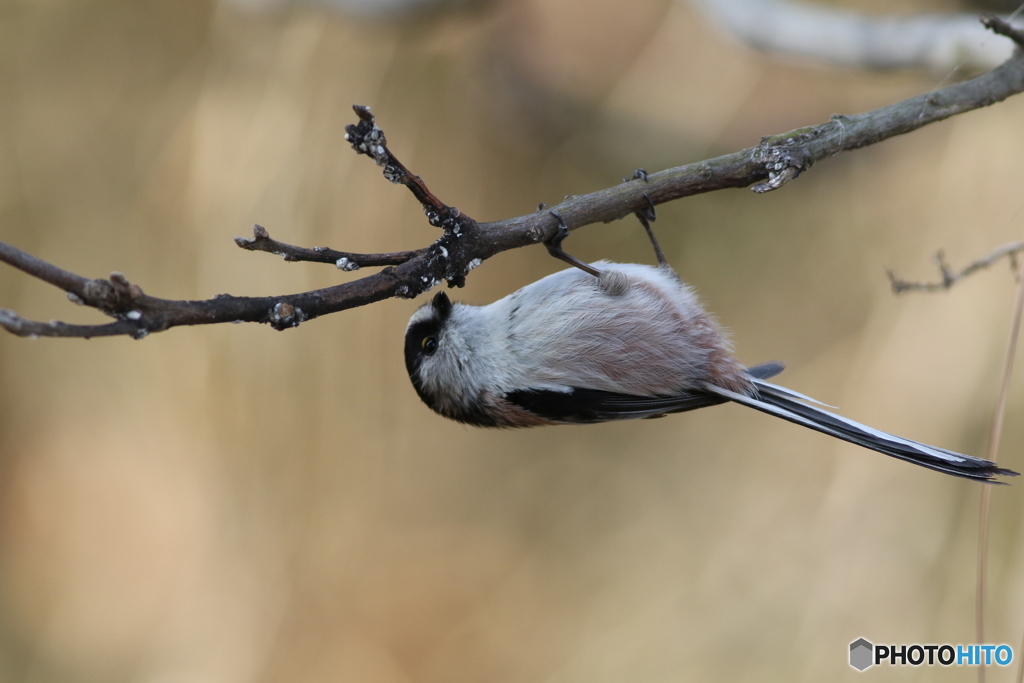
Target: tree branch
[(343, 260), (950, 278), (466, 243)]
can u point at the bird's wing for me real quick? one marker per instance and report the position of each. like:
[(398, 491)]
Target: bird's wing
[(583, 406), (590, 405)]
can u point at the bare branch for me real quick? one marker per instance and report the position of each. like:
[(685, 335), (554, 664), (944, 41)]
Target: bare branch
[(366, 138), (950, 278), (343, 260), (465, 243), (1004, 28)]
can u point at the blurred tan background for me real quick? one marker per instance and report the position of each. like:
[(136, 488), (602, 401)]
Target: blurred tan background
[(230, 504)]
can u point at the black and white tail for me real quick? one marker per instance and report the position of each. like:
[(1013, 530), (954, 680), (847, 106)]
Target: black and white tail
[(800, 409)]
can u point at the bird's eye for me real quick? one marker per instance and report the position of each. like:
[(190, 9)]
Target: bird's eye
[(429, 344)]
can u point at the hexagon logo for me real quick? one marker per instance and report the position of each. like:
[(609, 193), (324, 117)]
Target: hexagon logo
[(861, 654)]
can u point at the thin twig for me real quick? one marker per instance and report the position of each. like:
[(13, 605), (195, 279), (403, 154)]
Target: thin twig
[(949, 278), (1003, 28), (344, 260), (993, 452), (465, 243), (367, 138)]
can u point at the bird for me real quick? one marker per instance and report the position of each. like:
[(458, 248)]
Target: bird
[(614, 341)]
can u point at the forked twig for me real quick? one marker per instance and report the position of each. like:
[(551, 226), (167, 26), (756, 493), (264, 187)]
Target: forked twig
[(949, 277)]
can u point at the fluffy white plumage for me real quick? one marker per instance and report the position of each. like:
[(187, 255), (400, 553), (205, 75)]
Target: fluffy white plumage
[(560, 333)]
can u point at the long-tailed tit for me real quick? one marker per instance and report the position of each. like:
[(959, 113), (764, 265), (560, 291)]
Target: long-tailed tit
[(632, 342)]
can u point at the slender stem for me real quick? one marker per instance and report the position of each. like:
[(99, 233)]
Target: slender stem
[(344, 260), (950, 278), (993, 452)]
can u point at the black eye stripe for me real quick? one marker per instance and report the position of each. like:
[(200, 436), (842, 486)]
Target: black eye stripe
[(421, 330), (414, 337)]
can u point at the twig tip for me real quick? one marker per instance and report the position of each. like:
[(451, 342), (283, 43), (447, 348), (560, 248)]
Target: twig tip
[(1003, 28), (363, 112)]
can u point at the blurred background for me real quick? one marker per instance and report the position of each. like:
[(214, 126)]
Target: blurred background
[(231, 504)]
